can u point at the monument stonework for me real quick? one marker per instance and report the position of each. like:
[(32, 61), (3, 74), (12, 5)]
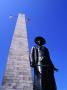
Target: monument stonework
[(18, 72)]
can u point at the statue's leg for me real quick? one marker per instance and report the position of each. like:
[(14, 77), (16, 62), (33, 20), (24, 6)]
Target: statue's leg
[(37, 82)]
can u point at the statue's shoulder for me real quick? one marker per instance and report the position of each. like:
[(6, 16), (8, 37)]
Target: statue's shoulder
[(44, 47), (34, 47)]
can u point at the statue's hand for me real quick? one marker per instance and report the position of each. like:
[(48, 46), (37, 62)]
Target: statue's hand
[(31, 64), (56, 69)]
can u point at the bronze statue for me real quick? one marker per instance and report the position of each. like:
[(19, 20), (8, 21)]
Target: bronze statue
[(43, 66)]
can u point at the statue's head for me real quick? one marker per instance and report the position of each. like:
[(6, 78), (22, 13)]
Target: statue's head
[(40, 40)]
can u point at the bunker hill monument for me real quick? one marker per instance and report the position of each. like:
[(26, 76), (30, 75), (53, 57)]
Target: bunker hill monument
[(17, 74)]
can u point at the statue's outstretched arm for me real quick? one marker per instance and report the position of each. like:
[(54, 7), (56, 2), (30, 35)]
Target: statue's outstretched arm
[(50, 62)]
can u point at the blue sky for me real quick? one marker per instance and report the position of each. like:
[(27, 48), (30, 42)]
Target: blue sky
[(48, 18)]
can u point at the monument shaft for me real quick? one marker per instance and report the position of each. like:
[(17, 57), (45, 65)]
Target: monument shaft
[(18, 72)]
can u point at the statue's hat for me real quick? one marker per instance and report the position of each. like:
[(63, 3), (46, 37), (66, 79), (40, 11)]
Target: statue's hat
[(43, 41)]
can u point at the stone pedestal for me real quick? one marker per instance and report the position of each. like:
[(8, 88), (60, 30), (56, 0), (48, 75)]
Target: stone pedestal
[(18, 72)]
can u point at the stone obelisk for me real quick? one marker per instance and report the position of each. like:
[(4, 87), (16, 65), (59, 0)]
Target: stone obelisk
[(18, 72)]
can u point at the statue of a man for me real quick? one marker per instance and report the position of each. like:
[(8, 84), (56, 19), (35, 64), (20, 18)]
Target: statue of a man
[(43, 66)]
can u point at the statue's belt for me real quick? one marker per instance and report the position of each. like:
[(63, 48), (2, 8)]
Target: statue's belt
[(44, 65)]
